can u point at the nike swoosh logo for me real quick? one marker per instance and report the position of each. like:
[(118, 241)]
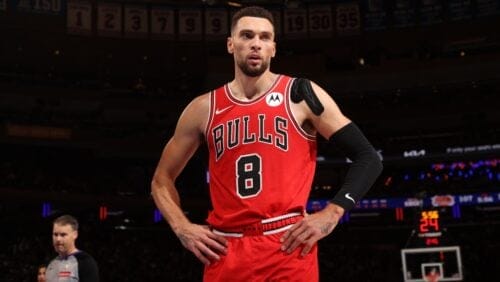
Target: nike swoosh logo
[(220, 111), (349, 197)]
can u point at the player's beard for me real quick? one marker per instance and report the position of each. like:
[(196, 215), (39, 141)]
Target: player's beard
[(253, 71)]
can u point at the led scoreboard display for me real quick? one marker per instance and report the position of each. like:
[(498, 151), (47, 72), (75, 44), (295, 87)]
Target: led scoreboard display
[(429, 227)]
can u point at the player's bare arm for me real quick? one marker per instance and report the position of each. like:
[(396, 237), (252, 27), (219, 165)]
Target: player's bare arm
[(201, 241), (334, 126)]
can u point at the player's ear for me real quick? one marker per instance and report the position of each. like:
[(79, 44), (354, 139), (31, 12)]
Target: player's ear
[(274, 49), (230, 45)]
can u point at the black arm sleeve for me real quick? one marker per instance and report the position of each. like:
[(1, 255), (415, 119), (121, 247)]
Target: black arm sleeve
[(365, 168), (88, 270)]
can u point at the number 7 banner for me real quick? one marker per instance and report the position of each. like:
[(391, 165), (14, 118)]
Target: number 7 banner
[(162, 23)]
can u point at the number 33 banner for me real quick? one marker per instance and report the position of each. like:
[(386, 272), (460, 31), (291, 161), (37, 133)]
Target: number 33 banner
[(79, 18)]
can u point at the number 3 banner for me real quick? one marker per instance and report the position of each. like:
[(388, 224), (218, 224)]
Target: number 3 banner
[(79, 18), (136, 21), (109, 19)]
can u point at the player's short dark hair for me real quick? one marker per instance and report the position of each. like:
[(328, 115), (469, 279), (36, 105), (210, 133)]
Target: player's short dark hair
[(252, 11), (67, 220)]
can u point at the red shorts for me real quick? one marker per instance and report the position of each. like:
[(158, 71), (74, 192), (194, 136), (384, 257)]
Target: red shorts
[(259, 258)]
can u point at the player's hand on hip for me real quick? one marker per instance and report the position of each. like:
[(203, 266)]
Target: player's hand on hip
[(202, 242), (308, 231)]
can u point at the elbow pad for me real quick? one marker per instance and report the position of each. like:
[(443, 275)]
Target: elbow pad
[(366, 165)]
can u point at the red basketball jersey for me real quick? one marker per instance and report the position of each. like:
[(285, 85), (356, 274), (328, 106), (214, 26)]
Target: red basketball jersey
[(261, 162)]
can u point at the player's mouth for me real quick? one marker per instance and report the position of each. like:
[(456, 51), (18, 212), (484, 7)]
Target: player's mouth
[(254, 59)]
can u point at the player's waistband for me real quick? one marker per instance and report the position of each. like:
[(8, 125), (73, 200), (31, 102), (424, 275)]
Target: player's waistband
[(266, 226)]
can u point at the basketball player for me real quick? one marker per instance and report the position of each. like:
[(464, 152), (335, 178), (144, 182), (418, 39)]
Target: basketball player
[(71, 264), (261, 130)]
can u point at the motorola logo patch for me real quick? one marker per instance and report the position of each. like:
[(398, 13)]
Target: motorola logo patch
[(274, 99)]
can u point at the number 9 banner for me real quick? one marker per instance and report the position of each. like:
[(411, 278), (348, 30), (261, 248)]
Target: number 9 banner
[(190, 24), (216, 24)]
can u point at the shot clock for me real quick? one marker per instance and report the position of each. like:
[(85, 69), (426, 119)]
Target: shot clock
[(429, 227)]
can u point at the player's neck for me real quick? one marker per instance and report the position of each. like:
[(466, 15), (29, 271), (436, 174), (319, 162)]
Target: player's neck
[(247, 88)]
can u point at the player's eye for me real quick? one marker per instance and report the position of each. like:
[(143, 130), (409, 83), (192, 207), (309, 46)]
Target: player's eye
[(247, 35)]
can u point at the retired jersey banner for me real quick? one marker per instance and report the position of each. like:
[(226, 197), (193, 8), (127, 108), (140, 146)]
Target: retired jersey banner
[(431, 12), (487, 8), (49, 7), (295, 24), (320, 21), (347, 18), (79, 17), (216, 24), (136, 21), (190, 27), (403, 14), (162, 23), (374, 15), (459, 10), (278, 27), (109, 20)]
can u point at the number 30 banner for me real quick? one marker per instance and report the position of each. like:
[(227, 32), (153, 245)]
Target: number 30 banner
[(320, 21), (109, 19), (79, 18)]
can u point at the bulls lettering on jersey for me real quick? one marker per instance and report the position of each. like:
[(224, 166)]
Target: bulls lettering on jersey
[(236, 132)]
